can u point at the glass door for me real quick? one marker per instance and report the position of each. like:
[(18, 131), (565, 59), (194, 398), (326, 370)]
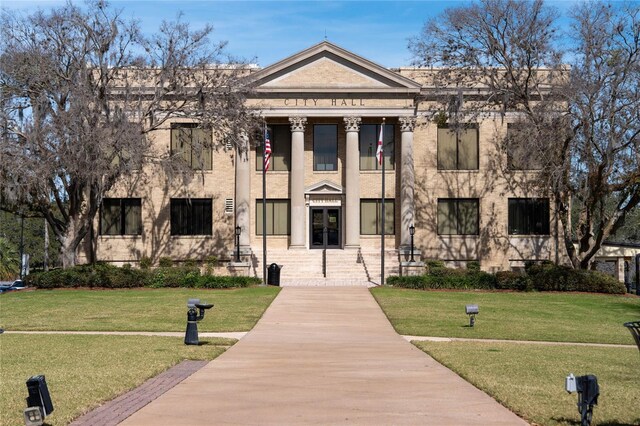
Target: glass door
[(325, 228)]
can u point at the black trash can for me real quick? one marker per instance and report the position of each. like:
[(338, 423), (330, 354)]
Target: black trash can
[(273, 274)]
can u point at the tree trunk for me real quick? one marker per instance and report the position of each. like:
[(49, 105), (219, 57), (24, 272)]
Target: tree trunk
[(45, 258), (68, 252)]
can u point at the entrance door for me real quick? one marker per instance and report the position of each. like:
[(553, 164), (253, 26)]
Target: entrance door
[(325, 227)]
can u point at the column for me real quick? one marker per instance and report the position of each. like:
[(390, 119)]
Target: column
[(407, 179), (296, 182), (243, 192), (352, 184)]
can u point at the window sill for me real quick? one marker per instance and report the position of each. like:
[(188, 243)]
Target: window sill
[(126, 236), (192, 236), (274, 172), (376, 172), (325, 172)]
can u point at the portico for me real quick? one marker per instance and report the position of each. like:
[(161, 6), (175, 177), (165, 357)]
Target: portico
[(326, 94)]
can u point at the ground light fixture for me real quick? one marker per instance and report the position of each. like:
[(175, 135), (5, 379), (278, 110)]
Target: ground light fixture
[(472, 311), (39, 403), (238, 232), (588, 392)]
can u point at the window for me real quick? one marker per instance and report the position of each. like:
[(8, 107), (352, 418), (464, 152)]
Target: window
[(528, 216), (458, 216), (325, 147), (371, 216), (191, 216), (519, 155), (458, 149), (369, 134), (193, 144), (280, 137), (277, 217), (121, 216)]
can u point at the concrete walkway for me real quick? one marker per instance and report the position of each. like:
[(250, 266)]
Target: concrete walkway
[(323, 356)]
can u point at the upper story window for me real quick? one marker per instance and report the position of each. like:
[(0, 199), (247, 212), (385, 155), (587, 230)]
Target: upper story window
[(528, 216), (280, 137), (458, 216), (519, 151), (325, 147), (121, 216), (191, 216), (193, 144), (458, 148), (369, 134)]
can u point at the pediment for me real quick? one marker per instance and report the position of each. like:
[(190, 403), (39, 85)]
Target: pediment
[(324, 187), (327, 67)]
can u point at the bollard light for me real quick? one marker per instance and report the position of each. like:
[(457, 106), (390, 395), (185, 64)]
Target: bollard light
[(588, 392), (238, 232), (472, 311)]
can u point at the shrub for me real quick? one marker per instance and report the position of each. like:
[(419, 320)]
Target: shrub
[(544, 276), (191, 263), (550, 277), (103, 275), (165, 262), (473, 265), (446, 278), (210, 263), (434, 266), (511, 280), (145, 262), (213, 281)]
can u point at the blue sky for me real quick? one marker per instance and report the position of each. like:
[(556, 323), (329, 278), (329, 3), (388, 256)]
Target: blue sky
[(268, 31)]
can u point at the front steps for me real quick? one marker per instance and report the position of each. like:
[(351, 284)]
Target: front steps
[(302, 267)]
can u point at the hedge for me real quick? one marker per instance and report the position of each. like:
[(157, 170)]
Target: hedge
[(102, 275), (446, 278), (538, 277)]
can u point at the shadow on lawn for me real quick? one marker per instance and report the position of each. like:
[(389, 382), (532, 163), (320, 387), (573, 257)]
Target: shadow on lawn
[(573, 421)]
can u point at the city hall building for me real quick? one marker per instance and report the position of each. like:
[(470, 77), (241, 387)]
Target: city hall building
[(324, 107)]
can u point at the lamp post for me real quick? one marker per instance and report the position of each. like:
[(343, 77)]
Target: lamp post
[(412, 231), (238, 231), (22, 266)]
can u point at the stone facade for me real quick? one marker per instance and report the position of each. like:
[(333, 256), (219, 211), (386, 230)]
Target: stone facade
[(328, 85)]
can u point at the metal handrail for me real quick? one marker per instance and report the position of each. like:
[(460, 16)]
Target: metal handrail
[(324, 262)]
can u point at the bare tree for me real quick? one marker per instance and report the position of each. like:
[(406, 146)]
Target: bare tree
[(580, 119), (81, 89)]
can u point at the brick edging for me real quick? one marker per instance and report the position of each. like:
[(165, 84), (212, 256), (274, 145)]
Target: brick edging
[(118, 409)]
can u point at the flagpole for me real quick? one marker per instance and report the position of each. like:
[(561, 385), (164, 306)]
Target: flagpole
[(264, 205), (383, 210)]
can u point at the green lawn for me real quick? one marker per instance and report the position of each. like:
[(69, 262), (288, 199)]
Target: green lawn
[(84, 371), (563, 317), (529, 378), (132, 310)]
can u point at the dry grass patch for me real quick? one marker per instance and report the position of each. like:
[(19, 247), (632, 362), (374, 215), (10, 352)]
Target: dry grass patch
[(84, 371), (529, 379)]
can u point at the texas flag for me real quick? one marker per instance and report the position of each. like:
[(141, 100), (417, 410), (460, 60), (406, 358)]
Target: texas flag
[(379, 152)]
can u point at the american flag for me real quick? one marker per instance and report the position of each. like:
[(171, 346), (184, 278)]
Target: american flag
[(267, 150), (379, 152)]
